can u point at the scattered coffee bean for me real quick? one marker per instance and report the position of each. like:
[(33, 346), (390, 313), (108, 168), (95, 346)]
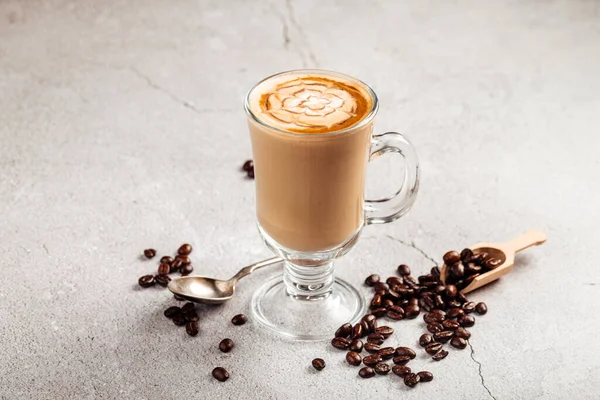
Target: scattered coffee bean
[(425, 376), (455, 313), (344, 331), (318, 364), (149, 253), (435, 327), (250, 174), (403, 270), (164, 269), (432, 318), (372, 360), (458, 342), (425, 339), (406, 351), (185, 249), (340, 343), (481, 308), (435, 271), (401, 360), (468, 307), (372, 279), (220, 374), (411, 379), (451, 258), (356, 345), (162, 280), (466, 321), (438, 302), (472, 268), (248, 165), (376, 338), (353, 358), (466, 254), (387, 303), (376, 302), (379, 312), (176, 264), (433, 348), (146, 281), (179, 319), (492, 263), (450, 325), (172, 311), (372, 348), (412, 311), (387, 352), (443, 336), (396, 313), (186, 269), (385, 331), (239, 319), (457, 270), (192, 328), (394, 281), (440, 355), (192, 316), (462, 333), (366, 372), (401, 370), (187, 307), (185, 260), (166, 260), (357, 331), (382, 369), (453, 304), (226, 345), (451, 291)]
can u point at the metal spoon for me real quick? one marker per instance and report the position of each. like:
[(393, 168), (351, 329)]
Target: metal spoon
[(201, 289), (505, 252)]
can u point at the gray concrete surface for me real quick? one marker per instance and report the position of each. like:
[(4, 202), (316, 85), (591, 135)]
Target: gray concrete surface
[(121, 127)]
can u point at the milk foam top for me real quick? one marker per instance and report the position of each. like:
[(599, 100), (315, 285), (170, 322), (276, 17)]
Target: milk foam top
[(310, 102)]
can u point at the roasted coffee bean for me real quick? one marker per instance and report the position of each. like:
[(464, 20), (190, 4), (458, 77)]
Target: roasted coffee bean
[(451, 291), (393, 295), (372, 279), (425, 376), (435, 327), (318, 364), (410, 281), (353, 358), (401, 360), (357, 331), (186, 269), (239, 319), (382, 369), (435, 271), (385, 331), (480, 258), (185, 249), (411, 379), (411, 312), (380, 286), (379, 312), (469, 279), (220, 374), (250, 174), (376, 302), (453, 304), (164, 269), (394, 281), (466, 254), (189, 306), (413, 302), (172, 311), (192, 316), (439, 289), (372, 348), (440, 355), (472, 268), (387, 303), (395, 313), (431, 318), (401, 370), (455, 313), (457, 270), (402, 303), (176, 264), (481, 308), (462, 333), (468, 307), (425, 339), (439, 302), (372, 359), (451, 325), (356, 345), (466, 321), (166, 260), (226, 345), (451, 258), (248, 165), (426, 303), (403, 270), (461, 298), (365, 329), (192, 328), (492, 263), (366, 372), (340, 343), (178, 298), (344, 331), (376, 338), (443, 336), (146, 281), (460, 284), (387, 352), (162, 280), (425, 278), (149, 253), (458, 342), (179, 319), (433, 347), (406, 351), (185, 260)]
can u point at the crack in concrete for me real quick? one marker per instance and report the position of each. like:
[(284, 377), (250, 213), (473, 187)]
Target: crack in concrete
[(479, 371), (45, 248), (285, 32), (292, 17), (414, 246), (176, 99)]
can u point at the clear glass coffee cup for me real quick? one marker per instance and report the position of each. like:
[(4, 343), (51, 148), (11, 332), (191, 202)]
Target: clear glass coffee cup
[(312, 137)]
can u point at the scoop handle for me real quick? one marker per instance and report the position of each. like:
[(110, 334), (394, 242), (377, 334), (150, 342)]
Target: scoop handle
[(528, 239)]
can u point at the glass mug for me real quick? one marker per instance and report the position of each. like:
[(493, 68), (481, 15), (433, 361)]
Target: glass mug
[(311, 134)]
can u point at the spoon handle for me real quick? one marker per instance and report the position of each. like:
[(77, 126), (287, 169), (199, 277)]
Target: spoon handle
[(251, 268), (528, 239)]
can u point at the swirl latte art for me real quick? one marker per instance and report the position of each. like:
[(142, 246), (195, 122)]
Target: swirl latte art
[(310, 103)]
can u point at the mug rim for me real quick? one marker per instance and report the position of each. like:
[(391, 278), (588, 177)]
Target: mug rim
[(362, 122)]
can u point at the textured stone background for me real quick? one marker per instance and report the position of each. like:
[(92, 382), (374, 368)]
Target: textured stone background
[(121, 127)]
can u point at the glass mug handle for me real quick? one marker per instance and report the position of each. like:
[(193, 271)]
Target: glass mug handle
[(388, 209)]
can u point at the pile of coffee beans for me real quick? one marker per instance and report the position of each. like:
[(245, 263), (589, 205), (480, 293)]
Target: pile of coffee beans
[(248, 168), (186, 315), (167, 265), (447, 314), (462, 268)]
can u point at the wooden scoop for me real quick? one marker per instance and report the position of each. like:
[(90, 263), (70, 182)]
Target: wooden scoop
[(505, 252)]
